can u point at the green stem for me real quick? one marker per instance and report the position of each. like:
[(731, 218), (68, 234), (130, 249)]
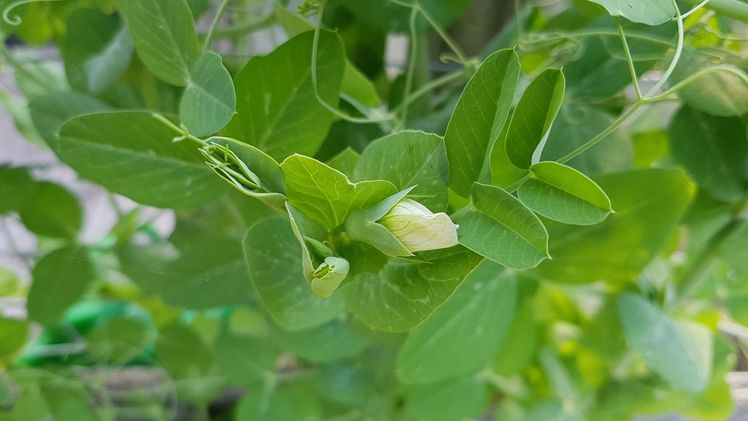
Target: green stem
[(693, 78), (431, 86), (731, 8), (629, 60), (244, 28), (412, 63), (184, 133), (213, 25), (335, 110), (676, 56)]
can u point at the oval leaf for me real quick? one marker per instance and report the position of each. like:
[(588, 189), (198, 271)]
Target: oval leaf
[(651, 12), (133, 153), (680, 352), (478, 118), (274, 259), (564, 194), (534, 116), (464, 334), (502, 229), (59, 280), (164, 36), (209, 100), (714, 150)]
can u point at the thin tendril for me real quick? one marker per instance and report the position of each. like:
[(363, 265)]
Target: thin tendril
[(629, 60), (411, 63), (676, 56), (213, 25), (16, 20), (695, 9)]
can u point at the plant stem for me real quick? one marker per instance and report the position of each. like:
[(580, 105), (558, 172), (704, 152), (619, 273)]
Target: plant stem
[(412, 62), (629, 60), (693, 78), (676, 56), (213, 25), (732, 8)]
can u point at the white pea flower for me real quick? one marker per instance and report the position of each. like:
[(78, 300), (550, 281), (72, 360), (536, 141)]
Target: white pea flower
[(400, 227), (419, 229)]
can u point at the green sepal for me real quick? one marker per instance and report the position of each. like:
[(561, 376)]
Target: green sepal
[(247, 169), (362, 226)]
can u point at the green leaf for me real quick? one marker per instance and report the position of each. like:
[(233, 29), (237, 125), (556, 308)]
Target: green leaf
[(653, 12), (118, 340), (400, 296), (456, 399), (648, 204), (49, 112), (408, 159), (331, 341), (14, 333), (357, 88), (345, 161), (502, 229), (679, 351), (16, 188), (464, 334), (134, 153), (59, 280), (96, 50), (325, 194), (52, 211), (209, 101), (564, 194), (244, 360), (164, 36), (181, 351), (718, 93), (277, 110), (274, 259), (479, 117), (534, 116), (714, 150)]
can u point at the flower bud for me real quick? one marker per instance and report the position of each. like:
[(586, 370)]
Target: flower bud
[(329, 275), (419, 229)]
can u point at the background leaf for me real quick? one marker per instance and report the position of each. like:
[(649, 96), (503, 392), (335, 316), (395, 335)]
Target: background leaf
[(648, 205), (464, 334), (59, 280), (714, 150), (681, 352), (52, 211), (133, 153), (164, 36), (96, 50)]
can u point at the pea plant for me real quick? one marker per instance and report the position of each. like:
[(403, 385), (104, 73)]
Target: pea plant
[(546, 224)]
